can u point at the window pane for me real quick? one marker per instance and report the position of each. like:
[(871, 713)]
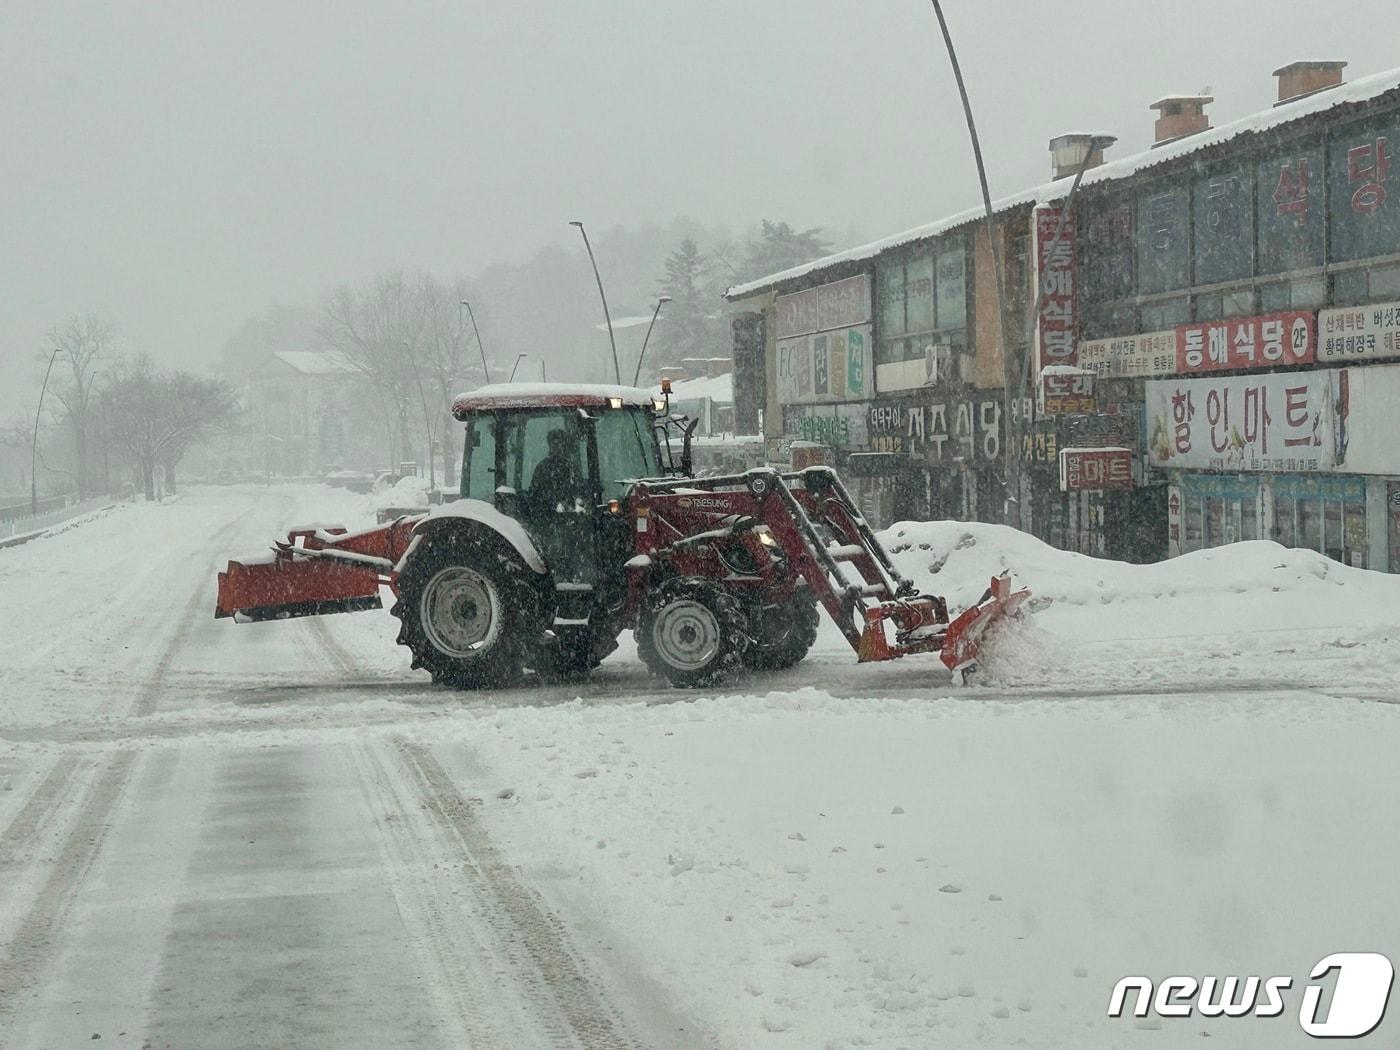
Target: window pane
[(952, 288), (479, 458), (625, 450), (1161, 230), (1237, 304), (918, 293), (1363, 205), (1309, 293), (1332, 526), (1191, 540), (1283, 523), (1349, 287), (1249, 520), (1274, 297), (1385, 284), (889, 284), (1290, 211), (1310, 524), (1207, 307), (1224, 227)]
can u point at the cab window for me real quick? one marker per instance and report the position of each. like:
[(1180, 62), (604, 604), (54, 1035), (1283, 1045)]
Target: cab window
[(626, 449)]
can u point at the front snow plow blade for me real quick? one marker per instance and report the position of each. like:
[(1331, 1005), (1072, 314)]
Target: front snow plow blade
[(963, 639), (285, 585), (317, 570)]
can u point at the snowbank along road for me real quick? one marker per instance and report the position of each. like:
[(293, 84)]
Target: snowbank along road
[(278, 835)]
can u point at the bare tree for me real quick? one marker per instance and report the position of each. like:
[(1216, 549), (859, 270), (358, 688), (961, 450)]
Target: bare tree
[(76, 345), (156, 416)]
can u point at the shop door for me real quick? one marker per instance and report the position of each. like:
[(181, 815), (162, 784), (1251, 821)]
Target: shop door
[(1392, 506)]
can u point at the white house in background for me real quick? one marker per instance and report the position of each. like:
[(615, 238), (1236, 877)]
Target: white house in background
[(305, 414)]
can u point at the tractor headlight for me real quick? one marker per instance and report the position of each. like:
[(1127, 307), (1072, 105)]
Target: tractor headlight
[(614, 402), (766, 538)]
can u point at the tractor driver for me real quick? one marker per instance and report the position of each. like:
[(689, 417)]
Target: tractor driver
[(556, 482)]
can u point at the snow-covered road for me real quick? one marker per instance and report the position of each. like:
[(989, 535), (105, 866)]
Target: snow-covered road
[(278, 835)]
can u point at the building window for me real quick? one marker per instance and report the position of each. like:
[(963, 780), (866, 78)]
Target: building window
[(1349, 288), (1385, 284), (1325, 514), (1237, 304), (922, 305), (1159, 316), (1207, 307)]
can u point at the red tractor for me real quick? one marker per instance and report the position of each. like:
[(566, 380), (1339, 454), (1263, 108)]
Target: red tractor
[(574, 525)]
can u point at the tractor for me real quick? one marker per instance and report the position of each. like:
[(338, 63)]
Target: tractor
[(576, 522)]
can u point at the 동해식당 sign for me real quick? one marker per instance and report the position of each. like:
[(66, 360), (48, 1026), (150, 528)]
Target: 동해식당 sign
[(1278, 340)]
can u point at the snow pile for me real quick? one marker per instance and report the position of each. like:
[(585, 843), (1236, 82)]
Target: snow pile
[(411, 491), (1243, 605)]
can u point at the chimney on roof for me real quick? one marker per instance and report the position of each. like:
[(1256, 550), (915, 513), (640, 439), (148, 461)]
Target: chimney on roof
[(1300, 79), (1068, 152), (1179, 116)]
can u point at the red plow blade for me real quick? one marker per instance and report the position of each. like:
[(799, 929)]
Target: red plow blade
[(281, 586), (963, 639)]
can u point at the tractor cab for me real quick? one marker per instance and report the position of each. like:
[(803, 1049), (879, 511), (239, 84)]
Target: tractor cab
[(555, 457)]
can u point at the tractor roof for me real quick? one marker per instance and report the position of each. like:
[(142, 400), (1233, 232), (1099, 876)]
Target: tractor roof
[(549, 395)]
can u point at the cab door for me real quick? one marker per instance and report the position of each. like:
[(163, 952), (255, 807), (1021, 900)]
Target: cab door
[(549, 486)]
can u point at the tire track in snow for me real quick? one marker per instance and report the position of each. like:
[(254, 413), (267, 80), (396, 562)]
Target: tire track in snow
[(36, 814), (570, 1004), (24, 958)]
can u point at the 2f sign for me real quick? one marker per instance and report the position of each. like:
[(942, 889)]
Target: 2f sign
[(1358, 1003)]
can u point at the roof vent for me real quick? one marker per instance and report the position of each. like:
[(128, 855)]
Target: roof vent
[(1179, 116), (1069, 151), (1301, 79)]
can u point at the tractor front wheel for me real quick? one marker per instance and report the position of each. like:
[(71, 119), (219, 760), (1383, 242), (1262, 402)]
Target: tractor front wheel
[(692, 633), (782, 633), (467, 607)]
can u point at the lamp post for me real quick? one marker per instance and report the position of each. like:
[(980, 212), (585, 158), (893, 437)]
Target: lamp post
[(637, 376), (427, 416), (518, 359), (617, 370), (34, 445), (485, 369), (1011, 477)]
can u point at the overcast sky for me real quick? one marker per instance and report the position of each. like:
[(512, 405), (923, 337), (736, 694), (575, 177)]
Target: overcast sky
[(178, 166)]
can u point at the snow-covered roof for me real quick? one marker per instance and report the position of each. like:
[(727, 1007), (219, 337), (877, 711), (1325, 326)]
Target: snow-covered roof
[(716, 388), (315, 362), (549, 395), (1362, 89)]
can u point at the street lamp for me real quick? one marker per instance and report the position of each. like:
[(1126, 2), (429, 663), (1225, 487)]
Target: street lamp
[(485, 370), (1011, 477), (34, 445), (617, 370), (427, 416), (637, 376), (518, 359)]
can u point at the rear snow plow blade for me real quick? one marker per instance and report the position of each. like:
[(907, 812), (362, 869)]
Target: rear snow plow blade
[(287, 584), (963, 639)]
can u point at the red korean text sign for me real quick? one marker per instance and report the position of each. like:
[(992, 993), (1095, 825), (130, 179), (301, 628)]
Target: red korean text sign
[(1095, 469), (1056, 327), (1279, 340)]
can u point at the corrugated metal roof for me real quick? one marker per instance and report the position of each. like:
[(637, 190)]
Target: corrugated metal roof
[(1363, 89)]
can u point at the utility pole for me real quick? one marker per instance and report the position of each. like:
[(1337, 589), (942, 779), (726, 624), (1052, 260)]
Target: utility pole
[(34, 445), (1011, 473), (617, 369)]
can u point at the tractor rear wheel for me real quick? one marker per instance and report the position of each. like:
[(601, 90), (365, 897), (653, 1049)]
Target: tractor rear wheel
[(782, 633), (468, 605), (692, 632)]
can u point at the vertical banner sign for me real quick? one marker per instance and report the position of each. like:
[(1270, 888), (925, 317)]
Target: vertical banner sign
[(1056, 325)]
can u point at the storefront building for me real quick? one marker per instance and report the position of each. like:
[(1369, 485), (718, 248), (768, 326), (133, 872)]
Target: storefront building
[(1237, 282)]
